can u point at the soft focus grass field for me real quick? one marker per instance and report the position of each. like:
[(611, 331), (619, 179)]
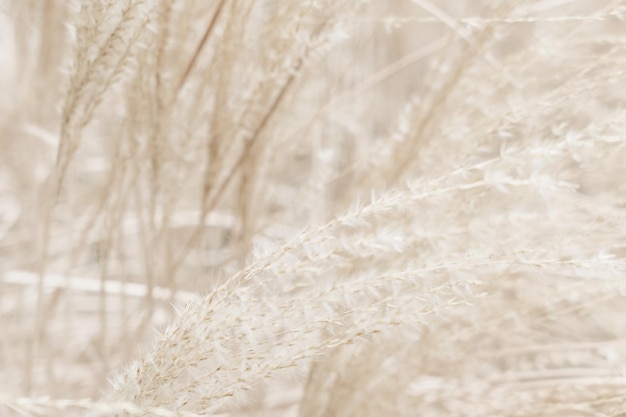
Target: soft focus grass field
[(312, 208)]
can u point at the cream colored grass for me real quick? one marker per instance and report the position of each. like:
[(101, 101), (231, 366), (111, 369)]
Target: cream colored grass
[(312, 208)]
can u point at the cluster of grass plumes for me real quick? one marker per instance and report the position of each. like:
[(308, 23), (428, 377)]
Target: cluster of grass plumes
[(296, 207)]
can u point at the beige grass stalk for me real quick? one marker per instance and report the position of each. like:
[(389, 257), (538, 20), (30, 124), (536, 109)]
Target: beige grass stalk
[(312, 208)]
